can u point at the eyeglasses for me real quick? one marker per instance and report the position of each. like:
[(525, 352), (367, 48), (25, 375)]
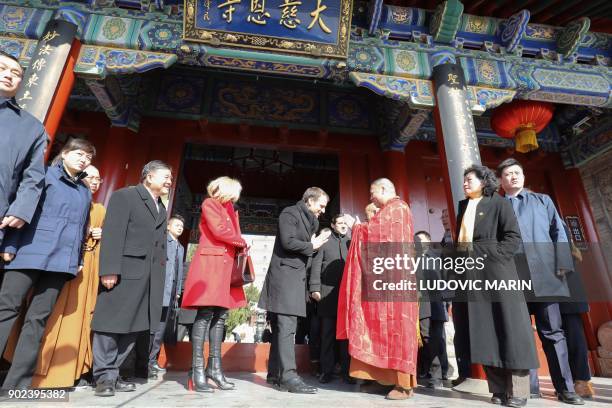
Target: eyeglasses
[(92, 178)]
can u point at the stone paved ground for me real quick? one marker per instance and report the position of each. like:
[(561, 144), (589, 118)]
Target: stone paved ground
[(252, 391)]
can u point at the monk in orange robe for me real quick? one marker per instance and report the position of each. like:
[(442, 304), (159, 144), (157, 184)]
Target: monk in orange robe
[(382, 333), (65, 353)]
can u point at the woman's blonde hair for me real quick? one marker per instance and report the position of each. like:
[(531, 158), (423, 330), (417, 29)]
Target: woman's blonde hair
[(224, 189)]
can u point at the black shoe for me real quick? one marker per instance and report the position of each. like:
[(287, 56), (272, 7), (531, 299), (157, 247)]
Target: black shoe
[(570, 398), (315, 367), (326, 378), (297, 386), (516, 402), (535, 395), (498, 398), (197, 381), (347, 379), (272, 379), (124, 386), (458, 381), (105, 389), (216, 375), (434, 383), (156, 368)]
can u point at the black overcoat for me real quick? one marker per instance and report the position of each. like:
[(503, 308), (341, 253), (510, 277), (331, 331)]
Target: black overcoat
[(500, 330), (284, 289), (134, 247), (326, 273)]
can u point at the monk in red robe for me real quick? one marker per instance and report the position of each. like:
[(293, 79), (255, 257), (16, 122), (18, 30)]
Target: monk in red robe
[(382, 333)]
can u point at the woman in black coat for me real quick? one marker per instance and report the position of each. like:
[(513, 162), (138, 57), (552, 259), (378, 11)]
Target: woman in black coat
[(501, 337)]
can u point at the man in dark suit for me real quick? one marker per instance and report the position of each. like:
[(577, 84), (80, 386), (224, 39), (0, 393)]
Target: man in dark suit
[(172, 287), (132, 270), (433, 360), (545, 259), (284, 290), (24, 138), (325, 278)]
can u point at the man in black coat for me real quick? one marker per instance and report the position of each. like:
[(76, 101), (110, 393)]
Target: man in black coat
[(132, 270), (433, 360), (284, 290), (324, 284), (545, 258), (24, 139)]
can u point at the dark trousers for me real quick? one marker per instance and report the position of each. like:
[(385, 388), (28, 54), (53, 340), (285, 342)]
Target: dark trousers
[(281, 362), (328, 343), (15, 286), (577, 346), (512, 383), (158, 337), (433, 359), (109, 352), (549, 326), (461, 341), (314, 337)]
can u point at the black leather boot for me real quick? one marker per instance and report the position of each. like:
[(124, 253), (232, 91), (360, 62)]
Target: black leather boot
[(197, 379), (213, 368)]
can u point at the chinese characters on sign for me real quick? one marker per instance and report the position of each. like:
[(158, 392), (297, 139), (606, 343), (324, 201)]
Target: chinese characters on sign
[(45, 69), (315, 27), (576, 233), (289, 11)]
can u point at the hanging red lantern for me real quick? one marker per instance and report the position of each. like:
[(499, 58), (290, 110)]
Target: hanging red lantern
[(522, 120)]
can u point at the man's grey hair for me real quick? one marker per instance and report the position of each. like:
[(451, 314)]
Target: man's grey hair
[(314, 193), (386, 183), (152, 167)]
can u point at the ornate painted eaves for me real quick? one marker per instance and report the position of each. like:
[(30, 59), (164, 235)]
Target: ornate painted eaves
[(20, 48), (446, 20), (513, 29), (418, 93), (571, 36), (95, 61)]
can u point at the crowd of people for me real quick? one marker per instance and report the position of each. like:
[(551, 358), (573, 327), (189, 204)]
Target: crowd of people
[(85, 285)]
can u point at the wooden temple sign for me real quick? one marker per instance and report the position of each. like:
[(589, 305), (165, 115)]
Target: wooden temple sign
[(319, 28), (576, 231)]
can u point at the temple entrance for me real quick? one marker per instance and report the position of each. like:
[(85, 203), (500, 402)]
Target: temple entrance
[(271, 180)]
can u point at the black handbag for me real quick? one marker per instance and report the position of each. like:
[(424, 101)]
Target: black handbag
[(171, 333)]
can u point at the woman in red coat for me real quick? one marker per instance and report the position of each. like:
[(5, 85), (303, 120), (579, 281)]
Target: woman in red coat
[(208, 288)]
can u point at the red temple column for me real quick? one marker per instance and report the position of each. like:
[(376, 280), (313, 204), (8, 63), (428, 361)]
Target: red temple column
[(62, 95), (600, 312), (115, 161), (394, 163)]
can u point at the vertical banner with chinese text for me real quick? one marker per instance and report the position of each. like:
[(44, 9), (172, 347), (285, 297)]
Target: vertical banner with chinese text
[(314, 27), (46, 66)]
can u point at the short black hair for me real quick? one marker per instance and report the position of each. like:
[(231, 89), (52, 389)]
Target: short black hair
[(76, 143), (335, 218), (487, 176), (177, 217), (508, 163), (11, 56), (423, 232), (153, 166)]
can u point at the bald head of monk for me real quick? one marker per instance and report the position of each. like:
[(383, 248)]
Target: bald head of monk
[(382, 191)]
